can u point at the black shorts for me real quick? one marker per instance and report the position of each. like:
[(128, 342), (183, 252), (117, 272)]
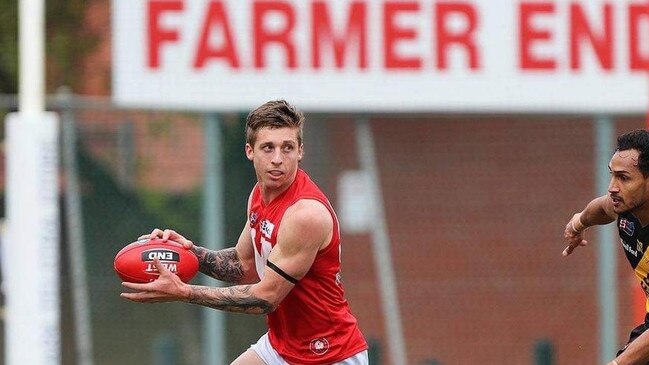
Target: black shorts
[(635, 333)]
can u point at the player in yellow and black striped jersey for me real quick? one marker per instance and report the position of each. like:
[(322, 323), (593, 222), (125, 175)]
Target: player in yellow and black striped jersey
[(627, 202)]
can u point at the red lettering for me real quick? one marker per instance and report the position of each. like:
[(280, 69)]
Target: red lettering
[(529, 35), (392, 34), (216, 17), (355, 29), (580, 30), (158, 35), (446, 38), (638, 61), (263, 36)]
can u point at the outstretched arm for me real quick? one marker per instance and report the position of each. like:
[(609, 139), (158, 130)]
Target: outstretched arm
[(637, 353), (599, 211)]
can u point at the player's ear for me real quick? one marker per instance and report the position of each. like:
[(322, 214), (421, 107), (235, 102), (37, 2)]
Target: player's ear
[(249, 151), (300, 152)]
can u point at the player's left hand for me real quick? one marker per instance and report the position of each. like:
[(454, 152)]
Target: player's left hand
[(166, 288), (573, 237)]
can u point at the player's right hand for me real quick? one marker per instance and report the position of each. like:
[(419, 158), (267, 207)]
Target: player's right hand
[(169, 234), (573, 237)]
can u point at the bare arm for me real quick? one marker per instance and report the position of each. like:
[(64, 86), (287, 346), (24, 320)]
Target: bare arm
[(306, 228), (598, 212), (234, 265), (636, 354), (223, 265)]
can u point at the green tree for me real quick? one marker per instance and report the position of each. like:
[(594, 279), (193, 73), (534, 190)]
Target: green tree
[(66, 43), (8, 46)]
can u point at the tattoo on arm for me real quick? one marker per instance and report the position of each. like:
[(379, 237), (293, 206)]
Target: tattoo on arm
[(223, 265), (232, 299)]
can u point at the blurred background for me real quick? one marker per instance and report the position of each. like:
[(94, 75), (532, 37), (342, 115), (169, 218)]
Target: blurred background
[(475, 198)]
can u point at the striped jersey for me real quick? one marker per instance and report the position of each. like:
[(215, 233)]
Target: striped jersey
[(313, 324)]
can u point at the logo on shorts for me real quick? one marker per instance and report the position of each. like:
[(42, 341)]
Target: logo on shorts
[(319, 346)]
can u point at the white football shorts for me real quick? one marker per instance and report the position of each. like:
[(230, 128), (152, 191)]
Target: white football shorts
[(268, 354)]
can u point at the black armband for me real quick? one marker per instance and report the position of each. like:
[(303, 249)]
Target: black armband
[(281, 272)]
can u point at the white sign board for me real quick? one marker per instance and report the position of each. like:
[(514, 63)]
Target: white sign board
[(355, 203), (383, 55)]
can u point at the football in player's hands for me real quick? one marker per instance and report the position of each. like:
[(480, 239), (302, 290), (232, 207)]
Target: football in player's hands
[(134, 263)]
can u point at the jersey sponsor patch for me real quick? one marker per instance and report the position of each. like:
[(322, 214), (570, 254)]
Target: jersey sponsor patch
[(253, 218), (627, 227), (629, 249), (267, 228)]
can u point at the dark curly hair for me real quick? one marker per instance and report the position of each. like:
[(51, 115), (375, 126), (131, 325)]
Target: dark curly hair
[(636, 140)]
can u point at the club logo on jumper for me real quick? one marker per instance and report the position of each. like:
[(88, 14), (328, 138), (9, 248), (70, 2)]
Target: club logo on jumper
[(319, 346), (639, 246), (627, 227), (267, 228)]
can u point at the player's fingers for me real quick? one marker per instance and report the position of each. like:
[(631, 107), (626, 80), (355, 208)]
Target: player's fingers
[(169, 233), (135, 286), (187, 244), (129, 296), (571, 247), (155, 233), (138, 297), (568, 250), (161, 268)]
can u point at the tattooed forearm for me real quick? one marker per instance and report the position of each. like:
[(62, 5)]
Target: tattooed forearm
[(222, 265), (233, 299)]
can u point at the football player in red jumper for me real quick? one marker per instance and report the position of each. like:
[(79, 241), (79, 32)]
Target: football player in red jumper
[(286, 263)]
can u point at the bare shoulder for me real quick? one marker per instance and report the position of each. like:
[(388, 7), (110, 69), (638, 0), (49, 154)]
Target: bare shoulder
[(307, 220), (309, 212)]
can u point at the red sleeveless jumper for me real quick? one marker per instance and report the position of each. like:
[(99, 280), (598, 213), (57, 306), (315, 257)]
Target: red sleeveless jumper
[(313, 324)]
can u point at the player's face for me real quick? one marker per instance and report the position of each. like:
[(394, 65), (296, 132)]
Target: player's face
[(275, 156), (629, 189)]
